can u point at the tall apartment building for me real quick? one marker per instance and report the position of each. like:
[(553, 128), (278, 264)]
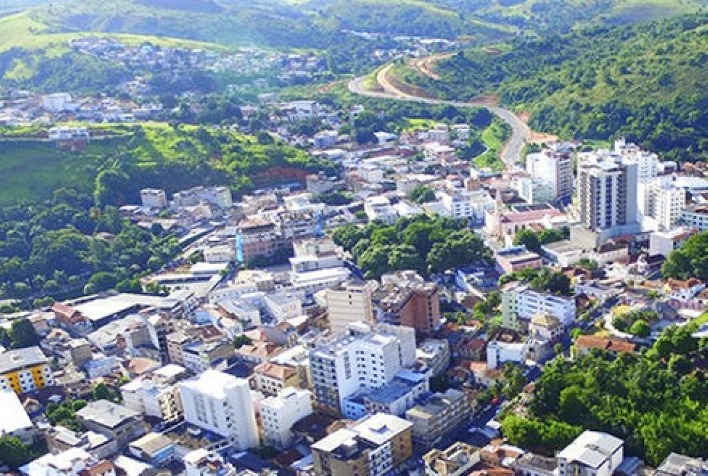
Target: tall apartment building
[(660, 204), (349, 302), (647, 162), (279, 414), (520, 303), (374, 446), (439, 414), (366, 357), (607, 195), (24, 370), (221, 403), (554, 167), (408, 302)]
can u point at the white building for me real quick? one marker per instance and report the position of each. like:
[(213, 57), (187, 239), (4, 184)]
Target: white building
[(695, 217), (554, 167), (279, 413), (662, 243), (367, 356), (58, 102), (283, 306), (500, 352), (72, 462), (220, 253), (153, 198), (379, 208), (218, 196), (648, 163), (315, 254), (349, 302), (14, 420), (152, 398), (660, 204), (593, 453), (519, 303), (535, 190), (221, 403), (203, 462), (466, 204)]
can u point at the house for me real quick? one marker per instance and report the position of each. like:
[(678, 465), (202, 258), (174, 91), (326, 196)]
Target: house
[(584, 344), (592, 452), (684, 290)]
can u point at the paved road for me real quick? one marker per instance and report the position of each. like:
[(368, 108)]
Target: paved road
[(511, 154)]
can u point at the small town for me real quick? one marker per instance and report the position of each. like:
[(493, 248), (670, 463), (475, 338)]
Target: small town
[(280, 342)]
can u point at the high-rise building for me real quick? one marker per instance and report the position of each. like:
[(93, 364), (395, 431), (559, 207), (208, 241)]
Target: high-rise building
[(349, 302), (437, 415), (554, 167), (221, 403), (279, 414), (647, 162), (660, 204), (374, 446), (405, 299), (366, 357), (607, 195)]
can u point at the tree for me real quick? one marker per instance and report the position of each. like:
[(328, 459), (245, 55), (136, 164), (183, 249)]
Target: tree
[(690, 260), (529, 239), (422, 194), (23, 334), (14, 453), (102, 392), (241, 340), (640, 328)]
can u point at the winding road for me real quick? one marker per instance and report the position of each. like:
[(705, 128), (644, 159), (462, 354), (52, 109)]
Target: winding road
[(511, 154)]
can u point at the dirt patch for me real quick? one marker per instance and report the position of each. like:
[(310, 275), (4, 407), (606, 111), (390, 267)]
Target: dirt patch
[(541, 138), (487, 100), (525, 116), (492, 51)]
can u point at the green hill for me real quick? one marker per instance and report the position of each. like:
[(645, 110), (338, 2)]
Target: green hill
[(144, 155), (645, 82)]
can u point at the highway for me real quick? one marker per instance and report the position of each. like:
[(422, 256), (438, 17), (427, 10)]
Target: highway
[(511, 154)]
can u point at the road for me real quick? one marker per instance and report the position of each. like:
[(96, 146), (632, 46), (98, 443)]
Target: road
[(511, 154)]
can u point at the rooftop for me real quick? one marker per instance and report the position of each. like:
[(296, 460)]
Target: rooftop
[(106, 413), (591, 448), (214, 383), (13, 416), (21, 358)]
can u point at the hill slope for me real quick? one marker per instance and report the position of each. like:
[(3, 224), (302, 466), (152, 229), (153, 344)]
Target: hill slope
[(645, 82)]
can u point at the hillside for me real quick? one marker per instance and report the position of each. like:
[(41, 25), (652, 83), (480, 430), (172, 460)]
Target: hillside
[(644, 81), (146, 155)]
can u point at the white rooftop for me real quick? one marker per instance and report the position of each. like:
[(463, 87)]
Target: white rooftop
[(13, 416), (213, 383), (591, 448)]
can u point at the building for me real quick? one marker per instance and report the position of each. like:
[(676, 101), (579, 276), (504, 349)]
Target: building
[(592, 452), (500, 352), (271, 378), (466, 204), (153, 198), (438, 415), (203, 462), (647, 162), (434, 355), (315, 254), (554, 167), (519, 304), (283, 306), (373, 446), (349, 302), (393, 398), (257, 236), (662, 243), (366, 357), (607, 195), (456, 460), (217, 196), (546, 327), (563, 252), (24, 370), (153, 448), (695, 216), (660, 204), (57, 102), (517, 258), (279, 414), (403, 300), (680, 465), (535, 191), (112, 420), (72, 462), (153, 398), (14, 420), (221, 403), (584, 344)]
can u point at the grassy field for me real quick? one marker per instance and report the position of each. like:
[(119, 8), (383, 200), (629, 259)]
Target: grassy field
[(494, 137)]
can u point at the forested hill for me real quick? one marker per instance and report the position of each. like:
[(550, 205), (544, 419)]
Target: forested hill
[(646, 82)]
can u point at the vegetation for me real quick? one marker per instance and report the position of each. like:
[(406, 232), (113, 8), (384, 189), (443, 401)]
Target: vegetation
[(635, 322), (533, 241), (422, 194), (598, 82), (422, 243), (21, 335), (172, 157), (656, 402), (690, 260), (64, 413), (14, 453), (66, 247), (542, 280)]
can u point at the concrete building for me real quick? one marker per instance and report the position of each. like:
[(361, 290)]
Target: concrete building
[(72, 462), (519, 304), (660, 204), (271, 378), (662, 243), (695, 216), (153, 398), (438, 415), (456, 460), (554, 167), (218, 196), (112, 420), (153, 198), (221, 403), (593, 452), (24, 370), (283, 306), (408, 302), (680, 465), (517, 258), (279, 413), (203, 462), (14, 420), (607, 195), (535, 191), (374, 446), (366, 357), (314, 254), (466, 204), (500, 352), (648, 163), (349, 302), (393, 398)]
